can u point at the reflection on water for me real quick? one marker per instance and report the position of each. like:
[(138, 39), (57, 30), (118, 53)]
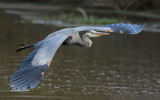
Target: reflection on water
[(115, 68)]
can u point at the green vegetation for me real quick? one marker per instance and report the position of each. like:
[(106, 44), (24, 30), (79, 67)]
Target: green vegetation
[(92, 20), (79, 19)]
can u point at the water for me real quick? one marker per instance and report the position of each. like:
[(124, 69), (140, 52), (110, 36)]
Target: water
[(116, 67)]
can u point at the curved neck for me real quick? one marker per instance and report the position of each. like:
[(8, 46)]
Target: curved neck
[(86, 42)]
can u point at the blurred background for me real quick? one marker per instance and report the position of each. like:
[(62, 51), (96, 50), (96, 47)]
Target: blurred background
[(80, 12), (116, 67)]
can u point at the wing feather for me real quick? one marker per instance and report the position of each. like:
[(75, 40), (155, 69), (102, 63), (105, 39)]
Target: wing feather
[(125, 28), (48, 50), (27, 61), (29, 72)]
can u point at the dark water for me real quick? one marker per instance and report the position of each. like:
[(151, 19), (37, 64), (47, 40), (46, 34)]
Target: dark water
[(116, 67)]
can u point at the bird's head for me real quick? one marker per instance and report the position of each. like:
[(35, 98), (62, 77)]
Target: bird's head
[(93, 33)]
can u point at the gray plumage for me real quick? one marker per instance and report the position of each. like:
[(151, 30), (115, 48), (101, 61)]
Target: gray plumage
[(125, 28), (32, 68)]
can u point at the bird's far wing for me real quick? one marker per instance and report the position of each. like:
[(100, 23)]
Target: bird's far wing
[(125, 28), (30, 71), (87, 28)]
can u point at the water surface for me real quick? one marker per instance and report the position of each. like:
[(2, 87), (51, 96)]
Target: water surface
[(116, 67)]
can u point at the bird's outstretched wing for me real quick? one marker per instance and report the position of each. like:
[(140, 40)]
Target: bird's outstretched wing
[(31, 69), (125, 28)]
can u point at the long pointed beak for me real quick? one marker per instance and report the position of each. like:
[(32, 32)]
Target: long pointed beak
[(103, 33)]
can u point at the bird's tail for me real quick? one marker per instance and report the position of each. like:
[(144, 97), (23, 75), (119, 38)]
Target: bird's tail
[(23, 46)]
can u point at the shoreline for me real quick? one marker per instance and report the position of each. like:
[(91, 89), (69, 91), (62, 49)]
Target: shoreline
[(28, 11)]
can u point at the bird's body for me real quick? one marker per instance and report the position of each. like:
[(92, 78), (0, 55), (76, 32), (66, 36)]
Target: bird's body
[(32, 68)]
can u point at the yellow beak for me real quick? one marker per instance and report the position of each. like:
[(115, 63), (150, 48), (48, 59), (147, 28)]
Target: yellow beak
[(103, 33)]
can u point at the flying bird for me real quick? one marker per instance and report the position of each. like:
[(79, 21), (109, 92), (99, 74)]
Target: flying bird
[(32, 68)]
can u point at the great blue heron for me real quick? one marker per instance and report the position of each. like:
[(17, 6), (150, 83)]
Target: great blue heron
[(32, 68)]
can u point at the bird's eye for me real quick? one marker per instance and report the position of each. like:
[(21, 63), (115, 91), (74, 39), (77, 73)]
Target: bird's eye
[(70, 37)]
